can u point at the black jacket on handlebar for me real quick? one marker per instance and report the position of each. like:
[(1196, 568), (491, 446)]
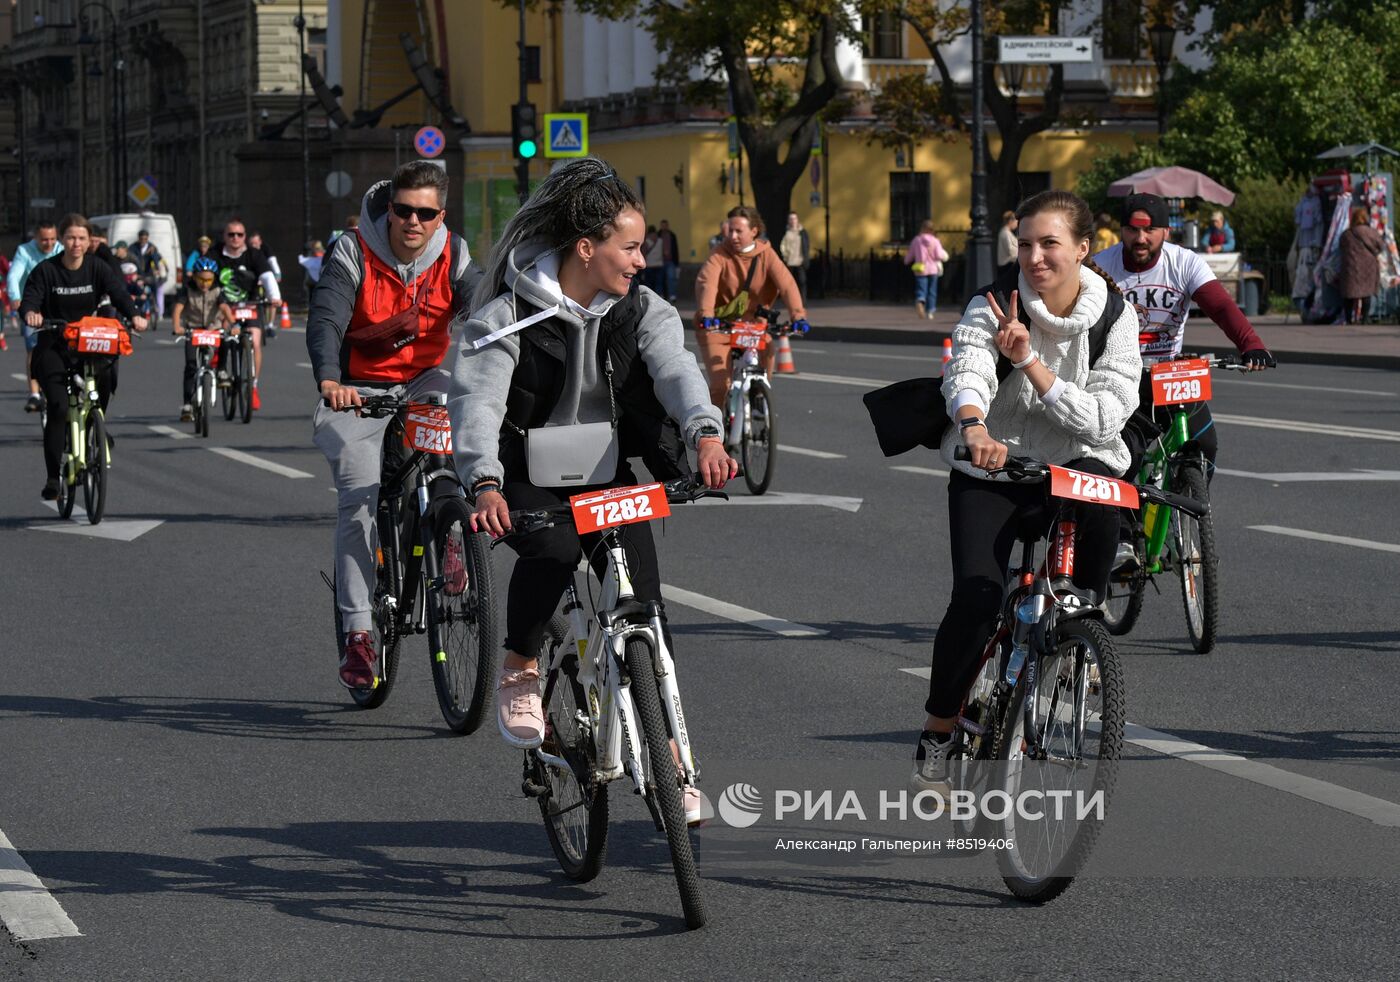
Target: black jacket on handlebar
[(644, 429)]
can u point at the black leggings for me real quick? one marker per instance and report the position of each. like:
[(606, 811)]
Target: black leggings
[(547, 559), (50, 367), (984, 519)]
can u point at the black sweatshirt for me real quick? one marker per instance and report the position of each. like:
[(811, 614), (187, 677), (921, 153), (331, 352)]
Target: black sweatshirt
[(64, 294)]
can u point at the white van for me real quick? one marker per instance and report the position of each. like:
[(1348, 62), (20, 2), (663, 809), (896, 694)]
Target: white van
[(164, 235)]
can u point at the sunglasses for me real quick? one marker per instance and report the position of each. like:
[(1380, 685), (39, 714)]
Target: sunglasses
[(405, 212), (234, 235)]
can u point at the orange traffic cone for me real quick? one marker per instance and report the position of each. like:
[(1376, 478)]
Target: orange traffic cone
[(784, 364), (947, 353), (286, 321)]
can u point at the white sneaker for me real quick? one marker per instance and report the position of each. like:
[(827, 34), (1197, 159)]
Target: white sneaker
[(698, 809), (931, 764), (519, 709)]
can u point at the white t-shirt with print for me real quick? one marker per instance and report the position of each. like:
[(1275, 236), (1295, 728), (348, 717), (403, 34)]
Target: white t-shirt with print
[(1161, 295)]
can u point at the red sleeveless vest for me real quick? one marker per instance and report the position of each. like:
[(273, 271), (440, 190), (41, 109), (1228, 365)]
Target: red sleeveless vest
[(383, 295)]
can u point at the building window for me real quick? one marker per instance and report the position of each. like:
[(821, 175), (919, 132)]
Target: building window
[(1029, 182), (1122, 30), (910, 204), (316, 47), (532, 63), (884, 35)]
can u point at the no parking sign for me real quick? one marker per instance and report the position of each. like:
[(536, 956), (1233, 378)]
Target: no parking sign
[(429, 141)]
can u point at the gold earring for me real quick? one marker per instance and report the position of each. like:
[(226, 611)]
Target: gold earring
[(586, 262)]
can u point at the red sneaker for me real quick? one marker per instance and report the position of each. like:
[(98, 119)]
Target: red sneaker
[(357, 661), (257, 399), (454, 570)]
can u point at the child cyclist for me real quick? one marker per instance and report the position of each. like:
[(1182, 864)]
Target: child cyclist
[(200, 304)]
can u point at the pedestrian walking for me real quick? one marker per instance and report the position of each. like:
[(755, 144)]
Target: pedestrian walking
[(652, 252), (926, 257), (796, 249), (670, 259), (1361, 247), (1006, 240)]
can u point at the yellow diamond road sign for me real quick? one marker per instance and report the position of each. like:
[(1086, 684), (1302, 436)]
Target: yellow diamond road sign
[(142, 192)]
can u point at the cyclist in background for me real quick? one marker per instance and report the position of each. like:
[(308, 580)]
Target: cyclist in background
[(44, 245), (242, 270), (202, 246), (137, 288), (380, 323), (744, 273), (68, 289), (199, 304)]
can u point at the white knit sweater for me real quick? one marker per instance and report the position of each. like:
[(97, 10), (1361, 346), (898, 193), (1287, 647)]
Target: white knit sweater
[(1083, 412)]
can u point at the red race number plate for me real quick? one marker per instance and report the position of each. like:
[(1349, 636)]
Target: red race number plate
[(204, 339), (1078, 486), (600, 510), (749, 336), (98, 340), (1176, 383), (241, 313), (428, 428)]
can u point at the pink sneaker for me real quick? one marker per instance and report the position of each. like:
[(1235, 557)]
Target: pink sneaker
[(519, 711), (357, 661), (698, 809)]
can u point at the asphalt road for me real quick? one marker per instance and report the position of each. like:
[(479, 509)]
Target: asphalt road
[(180, 768)]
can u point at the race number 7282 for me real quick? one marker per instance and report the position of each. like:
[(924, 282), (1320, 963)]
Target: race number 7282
[(600, 510)]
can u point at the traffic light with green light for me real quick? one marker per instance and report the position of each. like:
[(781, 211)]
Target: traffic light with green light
[(524, 130)]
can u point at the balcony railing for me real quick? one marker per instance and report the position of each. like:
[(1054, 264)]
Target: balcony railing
[(1123, 80)]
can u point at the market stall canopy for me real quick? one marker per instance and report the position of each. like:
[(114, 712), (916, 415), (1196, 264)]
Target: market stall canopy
[(1351, 150), (1172, 182)]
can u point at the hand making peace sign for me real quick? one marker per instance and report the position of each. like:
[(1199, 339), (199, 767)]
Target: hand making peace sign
[(1013, 339)]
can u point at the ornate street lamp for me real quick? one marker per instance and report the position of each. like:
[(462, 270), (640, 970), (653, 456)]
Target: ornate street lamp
[(979, 267), (1162, 38)]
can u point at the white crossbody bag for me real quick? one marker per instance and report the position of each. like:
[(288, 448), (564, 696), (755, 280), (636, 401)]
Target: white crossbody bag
[(577, 454)]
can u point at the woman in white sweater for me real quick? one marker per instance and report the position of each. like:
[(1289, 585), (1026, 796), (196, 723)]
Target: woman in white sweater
[(1054, 406)]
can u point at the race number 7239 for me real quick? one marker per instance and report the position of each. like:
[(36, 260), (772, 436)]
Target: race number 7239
[(1176, 383), (600, 510)]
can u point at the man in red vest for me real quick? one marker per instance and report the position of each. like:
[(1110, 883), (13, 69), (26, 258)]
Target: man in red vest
[(380, 323)]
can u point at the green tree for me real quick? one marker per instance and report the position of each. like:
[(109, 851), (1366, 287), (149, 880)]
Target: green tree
[(1266, 110), (1108, 166), (777, 60)]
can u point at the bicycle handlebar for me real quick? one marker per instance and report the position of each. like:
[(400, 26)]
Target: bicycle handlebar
[(681, 491), (1028, 470), (378, 407), (1228, 362)]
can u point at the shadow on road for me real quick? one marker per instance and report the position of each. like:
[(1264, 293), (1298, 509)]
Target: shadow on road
[(262, 720)]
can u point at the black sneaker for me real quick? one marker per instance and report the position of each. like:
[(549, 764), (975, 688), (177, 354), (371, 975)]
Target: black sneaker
[(1125, 561), (50, 492), (931, 762), (35, 403)]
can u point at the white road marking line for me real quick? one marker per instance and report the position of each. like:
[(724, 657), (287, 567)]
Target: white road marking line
[(788, 498), (252, 461), (934, 356), (116, 529), (303, 364), (803, 451), (19, 376), (911, 469), (1300, 477), (1217, 379), (167, 340), (1377, 810), (1344, 540), (169, 431), (28, 909), (864, 383), (742, 615), (1300, 426)]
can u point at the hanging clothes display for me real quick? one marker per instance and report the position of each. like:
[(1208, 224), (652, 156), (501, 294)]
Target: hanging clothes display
[(1375, 195), (1326, 300)]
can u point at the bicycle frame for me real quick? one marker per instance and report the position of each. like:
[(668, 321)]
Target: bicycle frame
[(600, 647), (1156, 518), (745, 373), (82, 397)]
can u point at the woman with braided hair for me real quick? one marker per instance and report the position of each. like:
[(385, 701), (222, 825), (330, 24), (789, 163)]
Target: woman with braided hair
[(562, 337), (1058, 404)]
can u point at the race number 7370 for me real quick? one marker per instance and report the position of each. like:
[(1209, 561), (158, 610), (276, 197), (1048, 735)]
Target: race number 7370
[(600, 510), (1078, 486)]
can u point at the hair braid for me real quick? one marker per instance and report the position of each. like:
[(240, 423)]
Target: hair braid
[(1112, 286)]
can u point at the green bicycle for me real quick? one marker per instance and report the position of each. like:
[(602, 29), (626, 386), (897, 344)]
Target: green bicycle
[(87, 452), (1166, 540)]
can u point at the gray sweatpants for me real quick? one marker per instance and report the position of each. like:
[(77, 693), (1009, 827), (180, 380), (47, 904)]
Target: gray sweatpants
[(354, 445)]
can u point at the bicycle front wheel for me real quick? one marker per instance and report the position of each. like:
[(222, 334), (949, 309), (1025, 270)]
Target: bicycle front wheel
[(759, 447), (665, 785), (99, 459), (1198, 563), (385, 637), (575, 807), (1079, 731), (462, 619), (205, 406), (230, 355), (245, 382)]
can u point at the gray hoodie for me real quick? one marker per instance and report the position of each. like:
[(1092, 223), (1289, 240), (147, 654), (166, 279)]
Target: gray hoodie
[(482, 374), (333, 302)]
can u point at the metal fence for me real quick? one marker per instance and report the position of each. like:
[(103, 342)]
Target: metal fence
[(878, 275)]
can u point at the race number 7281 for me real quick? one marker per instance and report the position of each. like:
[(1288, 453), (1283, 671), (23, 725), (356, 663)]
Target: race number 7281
[(1078, 486)]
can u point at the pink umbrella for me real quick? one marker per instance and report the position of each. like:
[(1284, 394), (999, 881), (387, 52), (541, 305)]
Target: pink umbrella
[(1172, 182)]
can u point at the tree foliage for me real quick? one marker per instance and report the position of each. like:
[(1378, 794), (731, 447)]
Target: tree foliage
[(1109, 166)]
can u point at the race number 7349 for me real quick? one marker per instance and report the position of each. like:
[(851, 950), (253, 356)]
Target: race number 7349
[(600, 510)]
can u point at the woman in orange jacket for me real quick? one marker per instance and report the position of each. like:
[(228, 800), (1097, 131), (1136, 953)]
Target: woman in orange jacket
[(744, 273)]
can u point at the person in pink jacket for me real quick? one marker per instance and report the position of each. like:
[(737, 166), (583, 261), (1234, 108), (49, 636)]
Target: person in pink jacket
[(927, 255)]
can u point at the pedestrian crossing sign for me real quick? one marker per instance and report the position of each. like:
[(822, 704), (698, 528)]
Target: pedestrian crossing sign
[(566, 135)]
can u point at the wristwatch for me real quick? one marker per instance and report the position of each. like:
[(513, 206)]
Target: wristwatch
[(971, 421)]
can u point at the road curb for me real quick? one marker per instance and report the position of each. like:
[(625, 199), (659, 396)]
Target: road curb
[(934, 339)]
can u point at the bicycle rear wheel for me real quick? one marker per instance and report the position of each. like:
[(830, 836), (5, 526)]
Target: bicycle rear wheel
[(230, 354), (99, 459), (665, 785), (575, 807), (1197, 562), (1079, 703), (1123, 605), (758, 447), (465, 633)]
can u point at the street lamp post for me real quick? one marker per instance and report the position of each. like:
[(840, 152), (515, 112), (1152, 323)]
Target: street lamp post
[(1015, 75), (1162, 37), (979, 240), (118, 99), (300, 23)]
